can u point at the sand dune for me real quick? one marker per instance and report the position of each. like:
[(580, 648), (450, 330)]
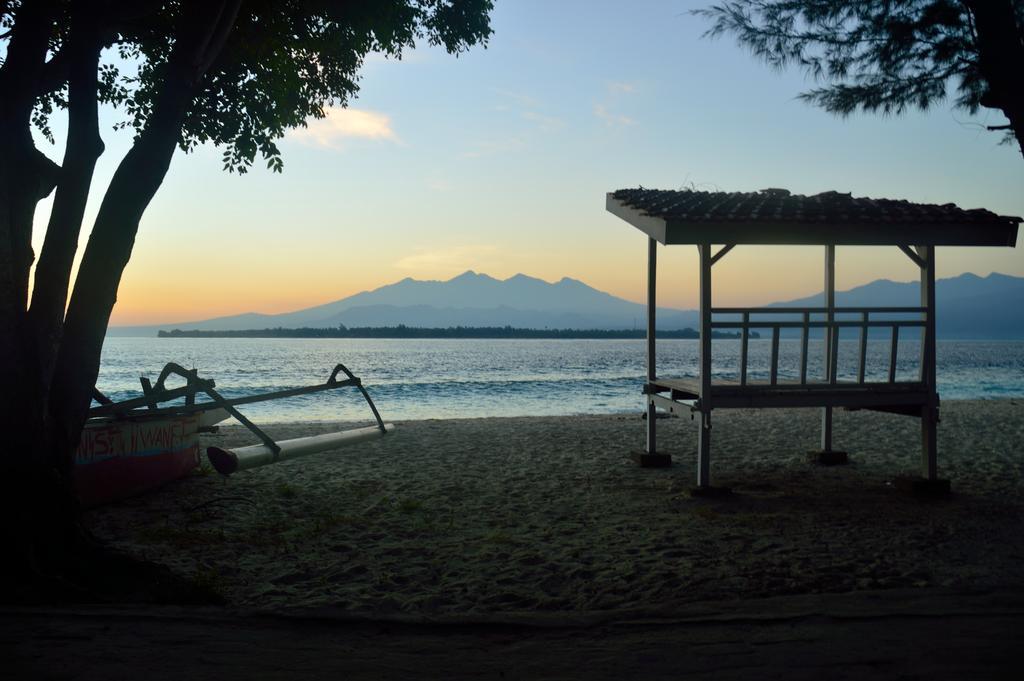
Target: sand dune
[(476, 516)]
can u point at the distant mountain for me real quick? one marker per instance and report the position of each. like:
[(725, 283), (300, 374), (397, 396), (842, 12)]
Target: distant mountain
[(969, 307), (469, 299)]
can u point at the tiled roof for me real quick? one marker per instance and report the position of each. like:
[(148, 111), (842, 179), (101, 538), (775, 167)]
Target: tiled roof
[(779, 206)]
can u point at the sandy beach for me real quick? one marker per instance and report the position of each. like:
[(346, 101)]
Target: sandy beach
[(546, 517)]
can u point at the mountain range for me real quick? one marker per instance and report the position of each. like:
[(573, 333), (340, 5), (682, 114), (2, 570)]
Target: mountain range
[(969, 306)]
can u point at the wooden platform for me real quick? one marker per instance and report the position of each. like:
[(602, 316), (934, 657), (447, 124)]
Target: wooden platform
[(730, 394)]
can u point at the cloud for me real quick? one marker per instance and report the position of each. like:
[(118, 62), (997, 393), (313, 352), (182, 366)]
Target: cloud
[(611, 118), (439, 184), (545, 123), (342, 123), (616, 91), (519, 99), (620, 88), (528, 108), (448, 260), (495, 146), (525, 108)]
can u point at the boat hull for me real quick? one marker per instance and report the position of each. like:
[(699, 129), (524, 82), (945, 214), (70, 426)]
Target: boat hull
[(121, 458)]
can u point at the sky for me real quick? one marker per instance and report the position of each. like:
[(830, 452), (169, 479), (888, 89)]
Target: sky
[(499, 161)]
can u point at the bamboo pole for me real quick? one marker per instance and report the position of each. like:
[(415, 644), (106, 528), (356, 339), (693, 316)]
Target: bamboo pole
[(228, 461)]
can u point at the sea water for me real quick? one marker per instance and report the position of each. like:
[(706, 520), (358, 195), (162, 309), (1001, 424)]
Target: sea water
[(424, 379)]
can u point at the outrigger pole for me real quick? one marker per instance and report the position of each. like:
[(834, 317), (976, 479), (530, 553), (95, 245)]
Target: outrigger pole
[(228, 461)]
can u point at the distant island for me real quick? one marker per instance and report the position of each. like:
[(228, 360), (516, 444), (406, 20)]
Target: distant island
[(403, 331)]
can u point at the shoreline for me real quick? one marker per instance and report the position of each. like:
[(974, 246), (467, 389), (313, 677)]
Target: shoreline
[(483, 516), (628, 413)]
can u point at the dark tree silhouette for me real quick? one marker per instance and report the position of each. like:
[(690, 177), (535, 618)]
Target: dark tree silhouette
[(891, 56), (233, 73)]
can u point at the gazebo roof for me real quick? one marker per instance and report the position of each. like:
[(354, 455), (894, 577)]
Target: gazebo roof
[(775, 216)]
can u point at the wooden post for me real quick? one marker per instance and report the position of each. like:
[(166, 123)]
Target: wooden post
[(744, 346), (804, 333), (863, 349), (894, 352), (652, 285), (704, 433), (774, 376), (930, 413), (830, 304)]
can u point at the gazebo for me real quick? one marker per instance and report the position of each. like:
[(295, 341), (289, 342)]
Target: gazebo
[(831, 219)]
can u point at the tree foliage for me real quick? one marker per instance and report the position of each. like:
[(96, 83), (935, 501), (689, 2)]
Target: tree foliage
[(284, 62), (889, 56)]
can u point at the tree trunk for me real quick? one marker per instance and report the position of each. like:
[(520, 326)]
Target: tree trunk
[(134, 184), (42, 522), (48, 483), (83, 148), (26, 176), (1000, 39), (204, 26)]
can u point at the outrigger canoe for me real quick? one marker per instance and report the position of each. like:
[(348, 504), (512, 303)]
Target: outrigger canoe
[(137, 445)]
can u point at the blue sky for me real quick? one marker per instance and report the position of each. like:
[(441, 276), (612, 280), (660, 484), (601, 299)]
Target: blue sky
[(499, 161)]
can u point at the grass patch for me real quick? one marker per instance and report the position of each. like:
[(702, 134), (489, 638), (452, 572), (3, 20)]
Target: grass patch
[(409, 506), (287, 490), (328, 519), (203, 470), (209, 580), (707, 512), (498, 537), (182, 537)]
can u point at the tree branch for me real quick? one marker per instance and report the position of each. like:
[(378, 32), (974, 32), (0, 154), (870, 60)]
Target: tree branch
[(26, 175), (1001, 54), (83, 148), (214, 42), (54, 73)]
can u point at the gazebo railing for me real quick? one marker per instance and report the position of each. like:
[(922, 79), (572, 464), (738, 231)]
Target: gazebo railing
[(820, 318)]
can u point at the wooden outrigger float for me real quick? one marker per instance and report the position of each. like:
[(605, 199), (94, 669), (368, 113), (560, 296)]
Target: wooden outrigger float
[(135, 445)]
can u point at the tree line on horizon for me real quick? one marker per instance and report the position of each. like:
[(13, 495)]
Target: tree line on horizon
[(481, 332)]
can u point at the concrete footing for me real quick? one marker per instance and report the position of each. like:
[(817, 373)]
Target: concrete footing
[(937, 488), (828, 457), (649, 460)]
